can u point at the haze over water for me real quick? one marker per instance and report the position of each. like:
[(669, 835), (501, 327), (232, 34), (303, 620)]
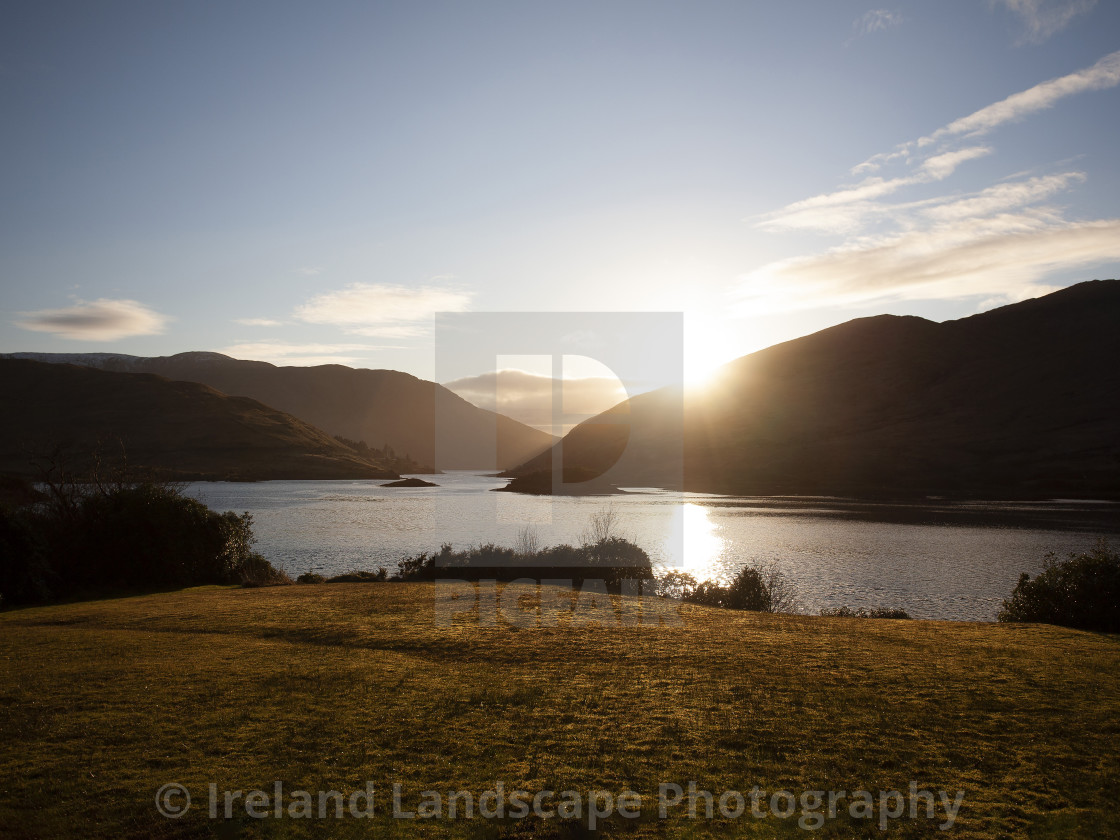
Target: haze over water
[(936, 561)]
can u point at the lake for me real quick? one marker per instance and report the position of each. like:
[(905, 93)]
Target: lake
[(936, 560)]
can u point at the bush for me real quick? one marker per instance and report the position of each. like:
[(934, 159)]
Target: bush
[(97, 537), (676, 585), (25, 575), (763, 589), (864, 612), (611, 559), (360, 577), (310, 577), (257, 571), (1082, 591)]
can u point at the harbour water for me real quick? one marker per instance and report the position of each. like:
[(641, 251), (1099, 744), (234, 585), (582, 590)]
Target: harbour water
[(936, 560)]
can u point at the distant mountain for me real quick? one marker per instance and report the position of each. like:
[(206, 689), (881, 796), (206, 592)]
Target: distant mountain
[(181, 429), (1022, 401), (380, 407)]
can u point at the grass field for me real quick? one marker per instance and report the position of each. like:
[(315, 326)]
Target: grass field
[(325, 687)]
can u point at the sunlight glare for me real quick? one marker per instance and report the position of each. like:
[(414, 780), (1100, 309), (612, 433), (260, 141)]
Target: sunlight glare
[(694, 532)]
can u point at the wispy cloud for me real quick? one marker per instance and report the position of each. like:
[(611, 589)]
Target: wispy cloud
[(1002, 257), (382, 310), (285, 353), (258, 322), (527, 397), (99, 320), (1043, 18), (1104, 74), (998, 242), (875, 20), (846, 209), (1001, 198)]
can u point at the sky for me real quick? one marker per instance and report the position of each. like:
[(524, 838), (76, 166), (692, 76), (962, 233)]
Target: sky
[(309, 183)]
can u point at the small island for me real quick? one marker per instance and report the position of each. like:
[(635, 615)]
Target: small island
[(578, 481), (410, 482)]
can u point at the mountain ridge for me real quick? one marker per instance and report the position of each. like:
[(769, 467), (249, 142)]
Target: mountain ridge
[(380, 407), (1021, 400), (178, 430)]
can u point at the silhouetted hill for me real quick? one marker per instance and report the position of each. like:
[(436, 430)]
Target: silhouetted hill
[(378, 406), (1023, 400), (180, 429)]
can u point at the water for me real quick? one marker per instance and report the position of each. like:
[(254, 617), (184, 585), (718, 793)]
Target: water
[(935, 560)]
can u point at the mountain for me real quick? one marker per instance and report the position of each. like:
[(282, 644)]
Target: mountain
[(380, 407), (182, 430), (1020, 401)]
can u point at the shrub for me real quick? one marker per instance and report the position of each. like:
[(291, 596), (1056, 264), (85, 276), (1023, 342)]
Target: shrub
[(864, 612), (1082, 591), (763, 589), (25, 576), (104, 536), (611, 559), (310, 577), (257, 571), (360, 577), (149, 535), (677, 585)]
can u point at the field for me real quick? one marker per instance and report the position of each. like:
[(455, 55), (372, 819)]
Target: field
[(326, 687)]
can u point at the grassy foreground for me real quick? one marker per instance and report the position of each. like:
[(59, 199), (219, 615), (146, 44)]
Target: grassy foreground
[(326, 687)]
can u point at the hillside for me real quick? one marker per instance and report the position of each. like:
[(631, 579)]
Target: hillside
[(182, 429), (378, 406), (330, 686), (1023, 400)]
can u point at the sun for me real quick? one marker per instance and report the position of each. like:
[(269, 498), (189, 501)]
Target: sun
[(699, 372), (709, 344), (703, 362)]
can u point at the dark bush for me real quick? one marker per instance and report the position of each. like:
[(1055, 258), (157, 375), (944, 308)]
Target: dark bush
[(1082, 591), (25, 575), (676, 585), (98, 537), (151, 536), (360, 577), (763, 589), (257, 571), (611, 559), (310, 577), (864, 612)]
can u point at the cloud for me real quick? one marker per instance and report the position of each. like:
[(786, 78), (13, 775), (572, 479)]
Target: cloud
[(875, 20), (99, 320), (998, 243), (939, 167), (875, 162), (1004, 255), (845, 210), (302, 355), (382, 310), (527, 397), (1104, 74), (1043, 18), (1002, 197), (258, 322)]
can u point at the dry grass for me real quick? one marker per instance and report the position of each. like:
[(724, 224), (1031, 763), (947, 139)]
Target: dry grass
[(325, 687)]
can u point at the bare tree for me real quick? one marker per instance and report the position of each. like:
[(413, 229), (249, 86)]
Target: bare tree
[(528, 541), (603, 525)]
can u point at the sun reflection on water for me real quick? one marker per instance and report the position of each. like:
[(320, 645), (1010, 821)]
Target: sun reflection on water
[(695, 545)]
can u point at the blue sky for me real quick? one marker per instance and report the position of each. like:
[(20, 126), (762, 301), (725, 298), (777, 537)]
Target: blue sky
[(304, 183)]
